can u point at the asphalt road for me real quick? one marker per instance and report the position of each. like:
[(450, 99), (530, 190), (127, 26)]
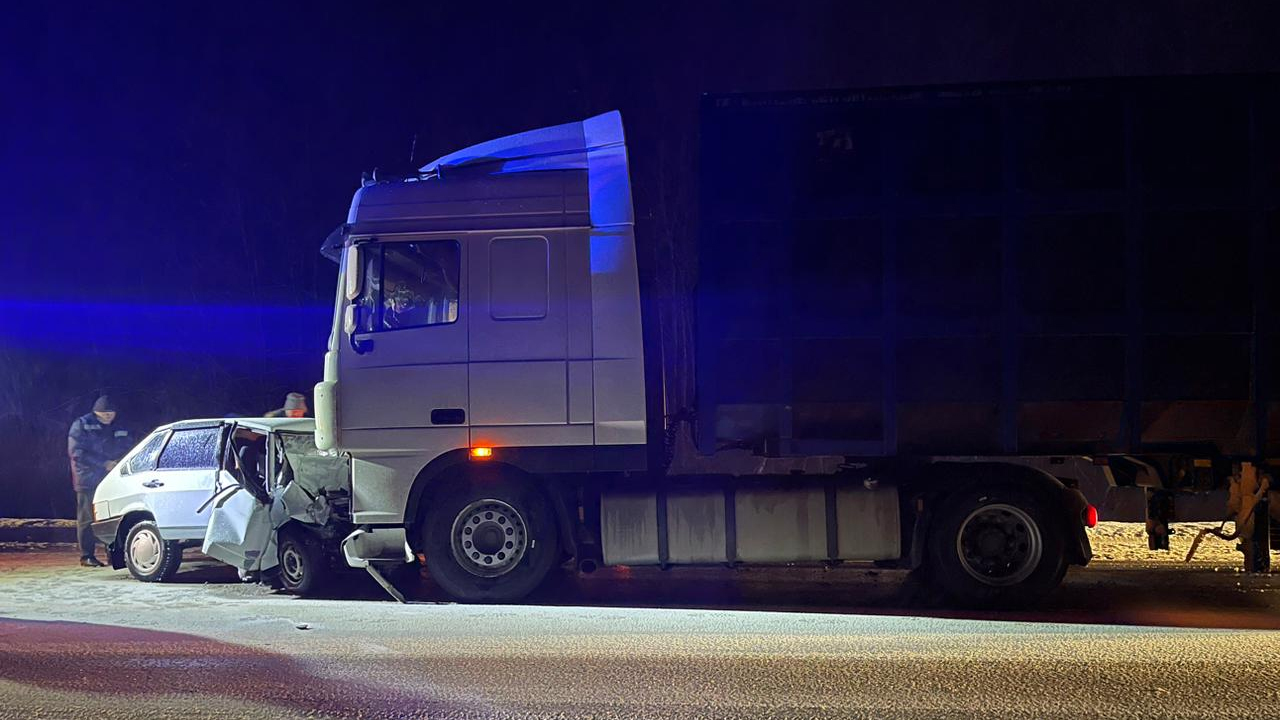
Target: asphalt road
[(77, 643)]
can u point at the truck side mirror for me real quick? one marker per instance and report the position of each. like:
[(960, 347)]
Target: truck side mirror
[(351, 326), (351, 319), (352, 272)]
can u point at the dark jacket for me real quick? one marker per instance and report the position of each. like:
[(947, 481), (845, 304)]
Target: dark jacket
[(90, 445)]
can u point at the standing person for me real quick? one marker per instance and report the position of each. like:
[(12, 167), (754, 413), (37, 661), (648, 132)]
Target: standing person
[(295, 406), (94, 448)]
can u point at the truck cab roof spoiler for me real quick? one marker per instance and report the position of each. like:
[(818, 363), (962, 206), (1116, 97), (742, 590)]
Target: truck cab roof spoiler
[(571, 174)]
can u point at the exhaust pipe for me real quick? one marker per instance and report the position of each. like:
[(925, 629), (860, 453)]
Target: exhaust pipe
[(586, 566)]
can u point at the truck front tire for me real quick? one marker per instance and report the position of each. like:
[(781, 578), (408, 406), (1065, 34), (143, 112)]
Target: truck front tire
[(994, 548), (491, 541)]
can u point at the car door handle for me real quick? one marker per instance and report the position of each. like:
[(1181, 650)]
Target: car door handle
[(448, 416), (152, 484)]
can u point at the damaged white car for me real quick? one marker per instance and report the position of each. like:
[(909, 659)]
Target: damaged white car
[(254, 493)]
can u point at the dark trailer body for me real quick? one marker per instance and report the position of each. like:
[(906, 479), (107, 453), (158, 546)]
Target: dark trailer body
[(1020, 269)]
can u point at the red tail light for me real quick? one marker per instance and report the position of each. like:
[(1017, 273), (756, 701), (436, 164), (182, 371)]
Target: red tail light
[(1091, 516)]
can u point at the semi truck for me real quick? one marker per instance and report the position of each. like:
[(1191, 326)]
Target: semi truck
[(922, 318)]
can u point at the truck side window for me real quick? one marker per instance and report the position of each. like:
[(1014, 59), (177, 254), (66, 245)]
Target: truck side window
[(518, 276), (145, 458), (411, 284), (191, 450)]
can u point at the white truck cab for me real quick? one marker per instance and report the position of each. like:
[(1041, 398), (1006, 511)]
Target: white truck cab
[(489, 306)]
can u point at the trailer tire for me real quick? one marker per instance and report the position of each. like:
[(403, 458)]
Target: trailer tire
[(490, 542), (995, 548), (303, 568), (149, 557)]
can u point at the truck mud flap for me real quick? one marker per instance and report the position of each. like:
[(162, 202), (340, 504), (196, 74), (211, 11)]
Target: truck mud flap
[(1076, 538)]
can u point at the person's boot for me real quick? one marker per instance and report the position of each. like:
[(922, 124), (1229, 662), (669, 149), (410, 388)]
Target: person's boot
[(91, 561)]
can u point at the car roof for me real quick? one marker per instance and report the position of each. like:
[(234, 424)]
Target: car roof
[(283, 424)]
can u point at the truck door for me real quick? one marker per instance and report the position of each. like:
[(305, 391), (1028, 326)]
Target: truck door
[(522, 337), (404, 366)]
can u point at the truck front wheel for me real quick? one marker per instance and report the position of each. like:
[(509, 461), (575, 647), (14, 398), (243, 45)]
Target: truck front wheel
[(493, 542), (995, 547)]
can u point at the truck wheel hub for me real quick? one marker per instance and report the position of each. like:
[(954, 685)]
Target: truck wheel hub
[(489, 538), (999, 545)]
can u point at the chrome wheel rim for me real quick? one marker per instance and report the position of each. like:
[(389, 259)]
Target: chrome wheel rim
[(999, 545), (489, 538), (144, 550), (291, 565)]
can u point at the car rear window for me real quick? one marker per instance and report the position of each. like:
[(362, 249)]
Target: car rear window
[(191, 449)]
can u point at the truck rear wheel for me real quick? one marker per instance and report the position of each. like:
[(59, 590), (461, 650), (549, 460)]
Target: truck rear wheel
[(995, 547), (494, 542)]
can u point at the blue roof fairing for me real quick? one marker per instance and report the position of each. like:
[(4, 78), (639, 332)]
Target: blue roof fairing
[(596, 144)]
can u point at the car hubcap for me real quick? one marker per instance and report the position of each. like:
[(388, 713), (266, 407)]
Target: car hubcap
[(291, 565), (999, 545), (489, 538), (145, 551)]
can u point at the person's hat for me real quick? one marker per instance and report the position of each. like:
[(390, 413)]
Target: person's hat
[(103, 404), (295, 401)]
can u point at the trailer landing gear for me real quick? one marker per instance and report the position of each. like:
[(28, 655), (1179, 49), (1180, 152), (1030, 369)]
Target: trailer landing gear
[(1256, 540), (1159, 515), (1249, 505)]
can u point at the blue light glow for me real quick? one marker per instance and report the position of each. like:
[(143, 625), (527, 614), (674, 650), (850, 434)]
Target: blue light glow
[(204, 329), (607, 253)]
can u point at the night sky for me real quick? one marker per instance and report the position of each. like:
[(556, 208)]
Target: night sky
[(170, 171)]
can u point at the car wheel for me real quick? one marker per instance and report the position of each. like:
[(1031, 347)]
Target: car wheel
[(303, 566), (995, 547), (491, 543), (149, 557)]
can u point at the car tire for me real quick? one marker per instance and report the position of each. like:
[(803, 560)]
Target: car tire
[(995, 548), (148, 556), (304, 568), (491, 542)]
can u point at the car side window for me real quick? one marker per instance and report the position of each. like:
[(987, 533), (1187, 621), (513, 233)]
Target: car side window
[(145, 458), (194, 449)]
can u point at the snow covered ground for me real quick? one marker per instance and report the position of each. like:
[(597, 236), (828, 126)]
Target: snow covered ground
[(1127, 542), (78, 642)]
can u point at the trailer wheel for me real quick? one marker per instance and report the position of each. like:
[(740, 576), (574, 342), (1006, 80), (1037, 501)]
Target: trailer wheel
[(303, 566), (995, 547), (490, 542), (149, 557)]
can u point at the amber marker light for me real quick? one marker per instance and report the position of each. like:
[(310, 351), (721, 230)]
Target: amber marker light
[(481, 453)]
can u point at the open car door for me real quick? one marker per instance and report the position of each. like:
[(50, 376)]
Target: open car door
[(241, 532)]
